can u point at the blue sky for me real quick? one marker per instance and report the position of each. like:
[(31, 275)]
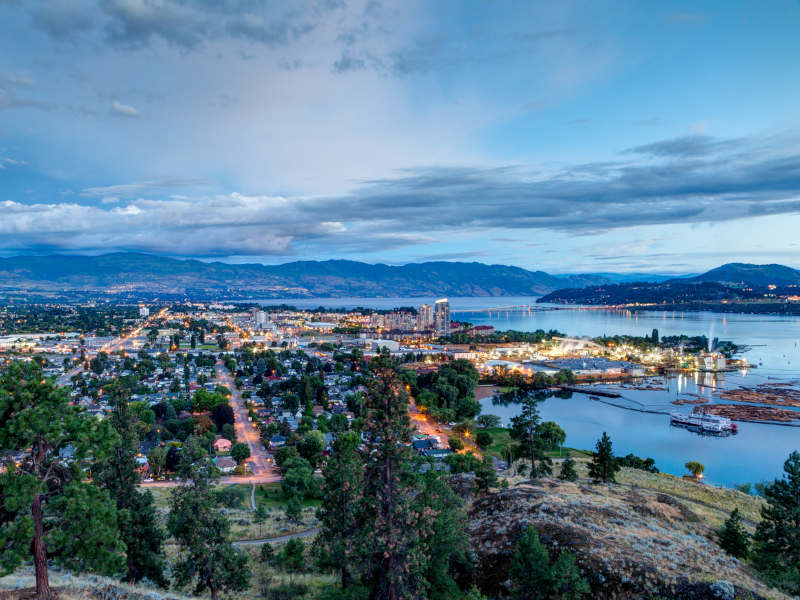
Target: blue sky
[(563, 136)]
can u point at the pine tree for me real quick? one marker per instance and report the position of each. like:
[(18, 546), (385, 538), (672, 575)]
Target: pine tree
[(733, 538), (206, 556), (338, 513), (47, 508), (530, 574), (138, 520), (294, 510), (485, 475), (524, 428), (603, 466), (567, 583), (776, 551), (568, 472), (392, 560), (444, 541)]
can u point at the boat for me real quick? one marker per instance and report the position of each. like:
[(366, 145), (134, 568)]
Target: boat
[(704, 422)]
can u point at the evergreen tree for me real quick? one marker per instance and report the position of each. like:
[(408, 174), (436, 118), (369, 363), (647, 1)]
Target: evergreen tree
[(525, 428), (294, 511), (776, 551), (567, 583), (291, 557), (530, 574), (46, 507), (206, 556), (390, 543), (603, 466), (485, 475), (338, 513), (568, 472), (444, 541), (138, 521), (268, 554), (733, 538)]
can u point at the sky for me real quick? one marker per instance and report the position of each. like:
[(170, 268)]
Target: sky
[(564, 136)]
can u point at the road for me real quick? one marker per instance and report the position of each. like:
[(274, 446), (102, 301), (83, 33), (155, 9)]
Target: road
[(259, 462), (429, 426), (112, 346), (278, 540)]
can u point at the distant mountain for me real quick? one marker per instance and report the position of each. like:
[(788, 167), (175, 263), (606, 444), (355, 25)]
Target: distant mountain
[(742, 274), (138, 275), (758, 286)]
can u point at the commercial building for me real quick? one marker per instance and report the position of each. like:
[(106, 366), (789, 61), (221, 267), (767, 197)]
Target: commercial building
[(441, 318), (425, 317)]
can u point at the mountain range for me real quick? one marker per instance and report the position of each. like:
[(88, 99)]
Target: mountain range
[(144, 275)]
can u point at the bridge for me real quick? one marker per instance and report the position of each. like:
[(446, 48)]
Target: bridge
[(510, 308)]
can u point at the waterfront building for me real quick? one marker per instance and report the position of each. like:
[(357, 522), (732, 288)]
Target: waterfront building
[(441, 318), (425, 317)]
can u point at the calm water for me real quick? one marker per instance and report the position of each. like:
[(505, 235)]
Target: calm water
[(755, 454)]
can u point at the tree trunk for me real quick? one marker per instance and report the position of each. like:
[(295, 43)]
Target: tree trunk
[(533, 456), (43, 591), (214, 595)]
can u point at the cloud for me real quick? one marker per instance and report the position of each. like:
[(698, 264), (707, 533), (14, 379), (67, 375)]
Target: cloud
[(689, 145), (124, 110), (63, 19), (147, 186), (739, 179)]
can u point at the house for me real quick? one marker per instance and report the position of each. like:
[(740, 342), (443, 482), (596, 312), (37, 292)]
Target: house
[(222, 445), (225, 464), (422, 445), (276, 442)]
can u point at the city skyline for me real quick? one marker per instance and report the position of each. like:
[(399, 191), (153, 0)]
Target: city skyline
[(565, 136)]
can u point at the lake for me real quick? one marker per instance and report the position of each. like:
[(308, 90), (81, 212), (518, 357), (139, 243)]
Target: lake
[(756, 453)]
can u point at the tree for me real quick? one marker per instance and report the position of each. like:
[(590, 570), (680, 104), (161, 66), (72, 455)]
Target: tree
[(733, 538), (455, 444), (483, 439), (525, 429), (776, 551), (530, 574), (138, 519), (487, 421), (392, 558), (568, 472), (268, 554), (311, 446), (156, 461), (47, 508), (552, 435), (205, 555), (297, 477), (567, 583), (654, 337), (294, 511), (292, 556), (338, 513), (485, 475), (603, 466), (444, 543), (695, 468), (240, 452)]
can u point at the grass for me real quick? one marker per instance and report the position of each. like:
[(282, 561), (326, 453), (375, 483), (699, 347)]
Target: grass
[(501, 437), (242, 519)]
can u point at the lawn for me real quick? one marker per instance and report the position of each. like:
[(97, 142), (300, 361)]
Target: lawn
[(243, 525), (501, 437)]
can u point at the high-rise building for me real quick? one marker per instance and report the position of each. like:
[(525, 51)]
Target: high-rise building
[(441, 318), (144, 312), (425, 317), (261, 319)]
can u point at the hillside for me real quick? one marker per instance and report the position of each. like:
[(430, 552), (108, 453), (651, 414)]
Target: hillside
[(649, 536), (144, 275), (742, 274), (745, 287)]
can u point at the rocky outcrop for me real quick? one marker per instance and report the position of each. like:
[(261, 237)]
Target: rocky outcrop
[(629, 543)]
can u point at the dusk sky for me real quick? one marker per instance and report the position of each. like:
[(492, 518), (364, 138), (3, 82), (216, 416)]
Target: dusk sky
[(564, 136)]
